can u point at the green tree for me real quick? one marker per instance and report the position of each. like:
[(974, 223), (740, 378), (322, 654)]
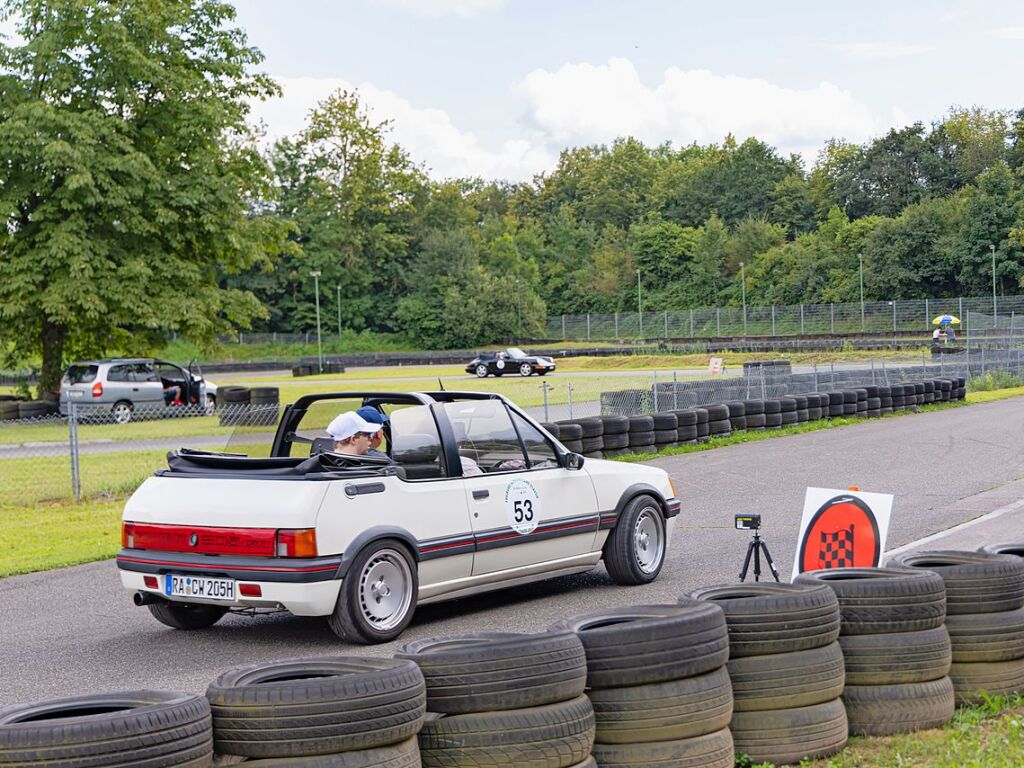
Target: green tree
[(992, 212), (127, 182)]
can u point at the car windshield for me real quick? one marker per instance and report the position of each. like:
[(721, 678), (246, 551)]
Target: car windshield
[(81, 374), (516, 352)]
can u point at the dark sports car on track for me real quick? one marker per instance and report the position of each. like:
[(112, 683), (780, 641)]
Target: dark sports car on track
[(511, 361)]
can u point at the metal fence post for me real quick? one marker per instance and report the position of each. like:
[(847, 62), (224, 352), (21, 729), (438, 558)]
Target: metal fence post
[(616, 325), (563, 327), (927, 322), (76, 477), (832, 375), (885, 373), (872, 371), (801, 319), (832, 315), (894, 317), (961, 300), (666, 323), (718, 321), (675, 392), (691, 324), (982, 361), (816, 388), (654, 393), (773, 319), (568, 388), (764, 387), (588, 326), (544, 389)]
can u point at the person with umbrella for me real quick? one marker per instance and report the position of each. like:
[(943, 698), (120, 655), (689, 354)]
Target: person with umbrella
[(945, 323)]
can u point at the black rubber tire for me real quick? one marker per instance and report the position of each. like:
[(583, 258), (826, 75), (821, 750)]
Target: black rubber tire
[(773, 420), (883, 600), (187, 615), (849, 409), (573, 446), (874, 403), (785, 736), (772, 406), (784, 680), (552, 429), (687, 434), (615, 425), (987, 636), (592, 427), (686, 418), (970, 679), (883, 710), (976, 582), (317, 706), (264, 395), (347, 622), (787, 405), (801, 402), (662, 436), (736, 408), (233, 394), (717, 411), (614, 442), (765, 618), (640, 645), (1009, 548), (753, 407), (489, 671), (755, 421), (835, 411), (128, 728), (703, 417), (641, 439), (642, 424), (552, 736), (674, 709), (715, 750), (664, 421), (901, 657), (703, 429), (569, 430), (594, 444), (618, 553), (738, 423), (803, 415), (720, 427), (789, 418), (403, 755)]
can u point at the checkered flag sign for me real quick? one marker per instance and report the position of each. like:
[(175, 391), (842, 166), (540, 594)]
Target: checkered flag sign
[(836, 548)]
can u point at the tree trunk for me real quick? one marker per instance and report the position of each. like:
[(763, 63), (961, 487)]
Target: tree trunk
[(52, 337)]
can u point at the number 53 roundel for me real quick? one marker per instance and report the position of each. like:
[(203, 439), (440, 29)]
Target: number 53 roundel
[(522, 506)]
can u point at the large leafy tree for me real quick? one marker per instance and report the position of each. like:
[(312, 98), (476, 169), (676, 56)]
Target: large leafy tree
[(126, 182)]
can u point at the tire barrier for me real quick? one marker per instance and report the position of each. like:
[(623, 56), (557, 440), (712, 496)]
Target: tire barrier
[(984, 618), (658, 684), (896, 648), (786, 668), (245, 407), (519, 697)]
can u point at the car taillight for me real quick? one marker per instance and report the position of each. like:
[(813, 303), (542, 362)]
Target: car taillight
[(128, 535), (97, 389), (250, 590), (296, 543), (151, 582)]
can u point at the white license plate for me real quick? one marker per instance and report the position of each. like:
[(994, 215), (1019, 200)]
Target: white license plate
[(76, 393), (199, 586)]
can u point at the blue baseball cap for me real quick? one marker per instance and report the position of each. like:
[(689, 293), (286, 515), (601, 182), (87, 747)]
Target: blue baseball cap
[(371, 414)]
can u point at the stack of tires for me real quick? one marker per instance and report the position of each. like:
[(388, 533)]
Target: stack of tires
[(803, 413), (641, 434), (657, 681), (896, 648), (786, 669), (885, 399), (666, 430), (35, 409), (366, 710), (616, 435), (233, 405), (737, 415), (504, 699), (552, 429), (264, 403), (947, 390), (835, 404), (984, 617), (929, 391), (703, 424), (874, 402), (8, 410), (591, 430), (303, 370), (899, 397), (772, 414), (570, 435), (788, 414), (961, 388), (850, 402), (718, 420), (755, 414), (131, 728), (817, 405), (862, 403), (687, 430)]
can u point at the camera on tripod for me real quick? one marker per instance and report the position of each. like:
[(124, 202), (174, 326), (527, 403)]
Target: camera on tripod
[(755, 548), (748, 522)]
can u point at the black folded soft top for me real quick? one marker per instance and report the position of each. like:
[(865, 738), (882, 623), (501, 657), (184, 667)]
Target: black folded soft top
[(322, 466)]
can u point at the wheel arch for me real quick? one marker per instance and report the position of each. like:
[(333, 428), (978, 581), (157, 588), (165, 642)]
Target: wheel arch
[(611, 519), (378, 533)]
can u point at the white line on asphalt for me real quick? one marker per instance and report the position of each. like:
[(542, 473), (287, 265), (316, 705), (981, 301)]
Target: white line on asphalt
[(957, 528)]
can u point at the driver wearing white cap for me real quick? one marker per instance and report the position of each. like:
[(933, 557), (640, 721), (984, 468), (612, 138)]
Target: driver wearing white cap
[(353, 435)]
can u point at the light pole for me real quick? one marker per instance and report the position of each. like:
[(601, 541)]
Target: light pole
[(860, 258), (519, 312), (315, 274), (743, 292), (995, 313), (639, 304), (339, 310)]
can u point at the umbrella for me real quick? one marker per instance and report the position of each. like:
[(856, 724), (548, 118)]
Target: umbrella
[(946, 320)]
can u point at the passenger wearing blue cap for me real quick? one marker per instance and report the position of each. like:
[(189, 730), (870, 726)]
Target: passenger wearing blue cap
[(374, 416)]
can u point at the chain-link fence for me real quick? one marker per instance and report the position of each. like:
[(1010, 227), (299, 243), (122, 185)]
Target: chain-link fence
[(872, 317)]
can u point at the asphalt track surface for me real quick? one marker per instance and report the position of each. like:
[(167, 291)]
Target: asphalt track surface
[(75, 630)]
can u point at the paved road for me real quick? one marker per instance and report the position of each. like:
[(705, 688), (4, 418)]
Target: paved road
[(75, 630)]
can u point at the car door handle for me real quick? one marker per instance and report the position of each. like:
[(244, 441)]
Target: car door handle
[(481, 494)]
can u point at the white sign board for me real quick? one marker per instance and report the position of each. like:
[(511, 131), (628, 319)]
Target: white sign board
[(715, 366), (842, 529)]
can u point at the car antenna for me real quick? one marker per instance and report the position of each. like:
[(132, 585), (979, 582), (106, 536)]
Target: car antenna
[(440, 384)]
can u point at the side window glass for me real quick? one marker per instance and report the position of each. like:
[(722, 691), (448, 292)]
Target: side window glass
[(415, 444), (539, 451), (485, 437), (118, 373)]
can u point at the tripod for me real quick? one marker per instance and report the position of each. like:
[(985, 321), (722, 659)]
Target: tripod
[(754, 548)]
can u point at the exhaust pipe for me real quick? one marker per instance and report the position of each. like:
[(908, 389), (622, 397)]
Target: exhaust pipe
[(146, 598)]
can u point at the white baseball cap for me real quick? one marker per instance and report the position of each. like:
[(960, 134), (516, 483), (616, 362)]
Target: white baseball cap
[(349, 423)]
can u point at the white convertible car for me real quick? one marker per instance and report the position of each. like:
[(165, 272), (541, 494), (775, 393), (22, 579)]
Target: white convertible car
[(363, 540)]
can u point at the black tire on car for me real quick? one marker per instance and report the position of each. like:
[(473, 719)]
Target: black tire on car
[(976, 582), (490, 671), (765, 618), (714, 750), (557, 735), (121, 728), (122, 412), (634, 552), (640, 645), (378, 594), (316, 706), (481, 371), (187, 615)]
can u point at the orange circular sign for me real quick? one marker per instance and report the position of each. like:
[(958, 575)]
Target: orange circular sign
[(843, 533)]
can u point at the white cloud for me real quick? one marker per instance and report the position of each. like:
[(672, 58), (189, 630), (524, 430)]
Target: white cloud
[(586, 103), (429, 135), (463, 8), (880, 50), (1009, 33)]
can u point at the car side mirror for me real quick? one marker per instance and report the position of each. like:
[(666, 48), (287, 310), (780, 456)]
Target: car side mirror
[(573, 461)]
